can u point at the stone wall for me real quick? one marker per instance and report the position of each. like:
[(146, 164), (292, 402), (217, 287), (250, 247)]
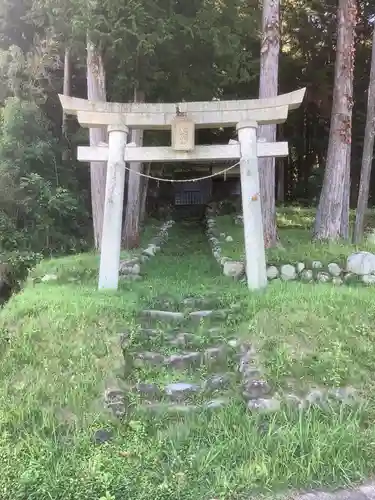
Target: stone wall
[(359, 267), (231, 268), (130, 269)]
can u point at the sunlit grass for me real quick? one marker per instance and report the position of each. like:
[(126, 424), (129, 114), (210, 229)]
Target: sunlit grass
[(295, 233), (59, 345)]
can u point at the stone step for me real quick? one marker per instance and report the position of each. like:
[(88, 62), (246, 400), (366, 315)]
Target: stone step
[(172, 304), (206, 394), (183, 409), (179, 361), (210, 314), (183, 402), (184, 390), (168, 316), (210, 357), (202, 303), (152, 316), (174, 339)]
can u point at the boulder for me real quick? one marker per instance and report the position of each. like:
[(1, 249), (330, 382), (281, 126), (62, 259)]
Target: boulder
[(131, 277), (337, 281), (129, 267), (307, 275), (102, 436), (49, 277), (147, 389), (300, 267), (368, 279), (323, 277), (217, 255), (234, 269), (317, 264), (184, 361), (361, 263), (272, 272), (316, 397), (229, 239), (344, 395), (181, 390), (264, 405), (215, 403), (288, 272), (216, 382), (162, 315), (334, 269), (255, 389), (150, 251)]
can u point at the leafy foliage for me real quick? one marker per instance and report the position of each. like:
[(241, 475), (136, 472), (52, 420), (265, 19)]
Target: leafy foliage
[(200, 49), (172, 50), (38, 211)]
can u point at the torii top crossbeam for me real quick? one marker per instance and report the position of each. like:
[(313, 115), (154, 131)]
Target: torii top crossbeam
[(205, 114)]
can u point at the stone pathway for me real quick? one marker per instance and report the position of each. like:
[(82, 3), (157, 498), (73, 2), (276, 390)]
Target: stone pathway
[(364, 492), (181, 358), (185, 357)]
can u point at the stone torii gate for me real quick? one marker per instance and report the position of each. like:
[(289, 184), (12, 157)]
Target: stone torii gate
[(182, 119)]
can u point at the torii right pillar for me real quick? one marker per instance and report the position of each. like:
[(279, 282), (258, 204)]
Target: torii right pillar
[(255, 253)]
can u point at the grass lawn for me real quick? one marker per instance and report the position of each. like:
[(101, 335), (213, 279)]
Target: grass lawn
[(59, 344), (295, 230)]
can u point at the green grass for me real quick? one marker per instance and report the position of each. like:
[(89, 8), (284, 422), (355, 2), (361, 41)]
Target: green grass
[(59, 345), (295, 231)]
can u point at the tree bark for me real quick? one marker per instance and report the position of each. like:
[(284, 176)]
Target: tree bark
[(96, 91), (268, 87), (331, 203), (144, 183), (130, 235), (67, 89), (281, 182), (280, 196), (344, 226), (368, 153)]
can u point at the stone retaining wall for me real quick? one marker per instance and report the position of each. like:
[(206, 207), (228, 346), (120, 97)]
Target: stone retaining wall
[(359, 268), (131, 269), (232, 268)]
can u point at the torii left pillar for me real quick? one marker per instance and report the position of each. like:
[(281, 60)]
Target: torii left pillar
[(113, 208)]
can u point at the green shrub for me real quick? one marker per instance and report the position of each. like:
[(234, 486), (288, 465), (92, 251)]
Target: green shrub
[(40, 208)]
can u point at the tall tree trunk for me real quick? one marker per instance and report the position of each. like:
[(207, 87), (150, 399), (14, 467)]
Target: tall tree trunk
[(344, 225), (330, 209), (96, 91), (67, 90), (280, 195), (281, 182), (144, 191), (130, 235), (268, 87), (368, 153)]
